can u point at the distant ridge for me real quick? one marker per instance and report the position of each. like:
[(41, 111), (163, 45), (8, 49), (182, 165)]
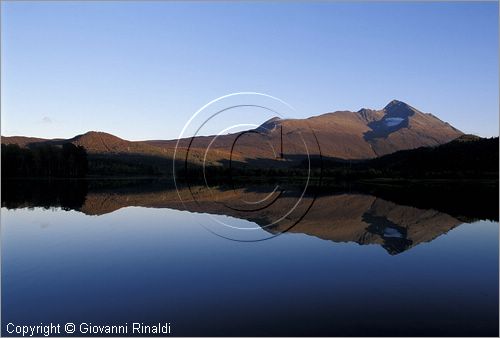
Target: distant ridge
[(363, 134)]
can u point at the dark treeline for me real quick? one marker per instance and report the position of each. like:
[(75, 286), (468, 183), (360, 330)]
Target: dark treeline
[(459, 159), (462, 158), (67, 160), (465, 158)]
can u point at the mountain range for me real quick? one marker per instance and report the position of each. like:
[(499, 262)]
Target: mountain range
[(345, 135)]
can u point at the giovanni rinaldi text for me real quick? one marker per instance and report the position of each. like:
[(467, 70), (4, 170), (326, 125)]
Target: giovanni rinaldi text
[(50, 329)]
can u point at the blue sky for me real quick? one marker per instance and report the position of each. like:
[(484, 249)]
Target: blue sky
[(140, 70)]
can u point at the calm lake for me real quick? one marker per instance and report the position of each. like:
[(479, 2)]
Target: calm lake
[(273, 260)]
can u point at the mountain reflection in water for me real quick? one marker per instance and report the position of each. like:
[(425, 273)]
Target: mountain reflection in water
[(394, 216)]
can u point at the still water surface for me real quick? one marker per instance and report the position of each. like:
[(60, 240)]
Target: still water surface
[(356, 264)]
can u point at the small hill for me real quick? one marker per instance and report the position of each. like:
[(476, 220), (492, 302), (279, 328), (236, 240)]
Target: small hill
[(22, 141), (467, 138), (99, 142)]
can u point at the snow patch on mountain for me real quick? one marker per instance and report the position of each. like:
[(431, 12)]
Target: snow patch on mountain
[(393, 121)]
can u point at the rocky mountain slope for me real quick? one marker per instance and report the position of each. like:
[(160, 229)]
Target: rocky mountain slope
[(363, 134)]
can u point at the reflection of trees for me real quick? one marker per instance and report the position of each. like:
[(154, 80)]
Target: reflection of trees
[(67, 194), (395, 217)]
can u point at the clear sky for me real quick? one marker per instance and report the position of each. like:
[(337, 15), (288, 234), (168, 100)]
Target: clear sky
[(139, 70)]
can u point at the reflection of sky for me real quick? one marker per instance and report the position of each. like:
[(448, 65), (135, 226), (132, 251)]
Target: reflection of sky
[(160, 264)]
